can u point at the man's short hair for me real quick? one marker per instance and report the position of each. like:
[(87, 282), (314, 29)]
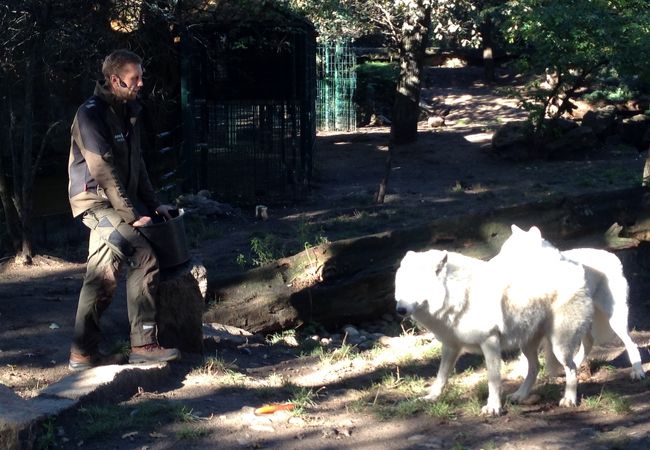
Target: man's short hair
[(114, 62)]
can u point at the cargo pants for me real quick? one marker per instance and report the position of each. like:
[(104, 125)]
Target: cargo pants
[(114, 244)]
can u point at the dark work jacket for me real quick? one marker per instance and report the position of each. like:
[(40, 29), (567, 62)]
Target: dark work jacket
[(105, 167)]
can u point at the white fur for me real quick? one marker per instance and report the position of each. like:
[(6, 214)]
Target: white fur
[(475, 306), (606, 285)]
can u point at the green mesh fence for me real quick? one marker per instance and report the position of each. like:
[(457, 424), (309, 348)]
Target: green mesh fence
[(337, 81)]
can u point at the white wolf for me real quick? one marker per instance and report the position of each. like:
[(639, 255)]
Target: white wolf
[(606, 285), (472, 305)]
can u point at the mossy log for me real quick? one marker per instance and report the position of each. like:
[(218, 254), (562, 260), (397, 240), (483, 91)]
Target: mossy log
[(353, 279)]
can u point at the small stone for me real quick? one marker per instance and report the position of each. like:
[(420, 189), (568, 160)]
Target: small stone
[(263, 428), (385, 341), (377, 335), (325, 341), (296, 421), (350, 331), (531, 399), (416, 437), (434, 443)]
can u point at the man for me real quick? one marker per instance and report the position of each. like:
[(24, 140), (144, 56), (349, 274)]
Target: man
[(109, 187)]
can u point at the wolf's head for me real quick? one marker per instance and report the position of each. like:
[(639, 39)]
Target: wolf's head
[(526, 245), (420, 280)]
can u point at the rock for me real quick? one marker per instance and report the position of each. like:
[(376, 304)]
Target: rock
[(416, 437), (388, 317), (633, 131), (573, 144), (200, 274), (601, 121), (377, 120), (351, 331), (227, 334), (203, 206), (436, 122), (512, 142)]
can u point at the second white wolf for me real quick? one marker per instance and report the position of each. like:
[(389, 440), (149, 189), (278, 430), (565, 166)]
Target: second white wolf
[(606, 285)]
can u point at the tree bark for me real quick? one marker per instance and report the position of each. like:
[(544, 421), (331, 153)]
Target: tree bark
[(352, 280), (415, 32), (486, 28), (10, 215), (26, 253)]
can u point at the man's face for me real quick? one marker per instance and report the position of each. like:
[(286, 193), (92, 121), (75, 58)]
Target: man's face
[(128, 83)]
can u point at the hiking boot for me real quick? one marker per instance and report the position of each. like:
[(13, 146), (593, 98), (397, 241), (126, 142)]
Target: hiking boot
[(83, 362), (153, 353)]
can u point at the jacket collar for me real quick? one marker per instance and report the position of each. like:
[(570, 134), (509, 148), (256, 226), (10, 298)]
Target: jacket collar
[(132, 106)]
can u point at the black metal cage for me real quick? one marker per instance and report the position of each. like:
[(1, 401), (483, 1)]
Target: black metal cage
[(248, 95)]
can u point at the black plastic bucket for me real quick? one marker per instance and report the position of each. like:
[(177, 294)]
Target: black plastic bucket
[(168, 240)]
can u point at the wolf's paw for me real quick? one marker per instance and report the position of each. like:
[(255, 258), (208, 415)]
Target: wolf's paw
[(431, 397), (516, 397), (567, 402), (637, 372), (491, 410)]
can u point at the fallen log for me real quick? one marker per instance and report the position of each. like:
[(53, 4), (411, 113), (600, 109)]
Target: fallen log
[(352, 280)]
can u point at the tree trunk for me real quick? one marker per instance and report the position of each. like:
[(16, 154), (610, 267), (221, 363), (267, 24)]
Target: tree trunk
[(487, 44), (352, 280), (26, 253), (383, 184), (10, 215), (415, 32)]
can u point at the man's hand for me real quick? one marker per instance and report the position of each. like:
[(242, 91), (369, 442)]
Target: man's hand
[(142, 221), (164, 210)]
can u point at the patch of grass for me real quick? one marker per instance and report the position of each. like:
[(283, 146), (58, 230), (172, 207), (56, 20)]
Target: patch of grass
[(327, 357), (303, 398), (457, 187), (120, 346), (47, 435), (241, 261), (100, 420), (191, 433), (608, 402), (265, 248), (287, 337), (185, 414), (221, 370)]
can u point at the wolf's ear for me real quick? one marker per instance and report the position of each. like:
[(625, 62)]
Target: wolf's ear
[(442, 263), (515, 229), (534, 232)]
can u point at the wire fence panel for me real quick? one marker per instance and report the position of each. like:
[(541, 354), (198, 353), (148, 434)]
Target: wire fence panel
[(336, 84)]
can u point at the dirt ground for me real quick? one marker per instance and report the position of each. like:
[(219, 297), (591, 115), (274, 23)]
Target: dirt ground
[(352, 400)]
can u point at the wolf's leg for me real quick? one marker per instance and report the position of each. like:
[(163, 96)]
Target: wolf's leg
[(564, 354), (448, 359), (618, 322), (529, 351), (491, 348), (584, 350), (553, 366)]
